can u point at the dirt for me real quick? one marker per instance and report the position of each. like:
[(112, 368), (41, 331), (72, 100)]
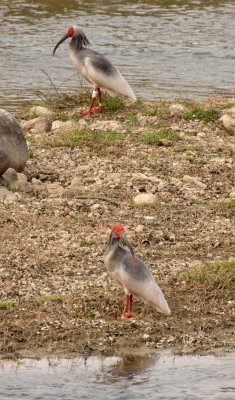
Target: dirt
[(56, 295)]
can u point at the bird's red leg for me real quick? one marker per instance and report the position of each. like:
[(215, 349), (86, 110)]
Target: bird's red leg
[(90, 111), (93, 97), (127, 312), (100, 107), (126, 302)]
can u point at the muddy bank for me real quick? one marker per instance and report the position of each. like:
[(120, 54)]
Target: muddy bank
[(56, 296)]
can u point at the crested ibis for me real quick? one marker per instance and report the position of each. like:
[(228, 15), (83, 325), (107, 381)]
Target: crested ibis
[(95, 68), (132, 274)]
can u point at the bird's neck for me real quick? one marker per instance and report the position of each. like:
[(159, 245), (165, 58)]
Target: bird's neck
[(79, 41), (76, 43)]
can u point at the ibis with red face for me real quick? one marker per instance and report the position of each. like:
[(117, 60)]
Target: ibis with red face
[(95, 68), (132, 274)]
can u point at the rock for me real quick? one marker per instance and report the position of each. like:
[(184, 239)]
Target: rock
[(55, 189), (61, 126), (232, 194), (139, 228), (228, 121), (193, 181), (145, 199), (6, 195), (231, 111), (107, 125), (13, 146), (16, 181), (201, 135), (39, 124), (177, 108), (4, 162), (95, 207), (39, 111)]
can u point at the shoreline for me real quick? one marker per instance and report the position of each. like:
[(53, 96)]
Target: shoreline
[(56, 295)]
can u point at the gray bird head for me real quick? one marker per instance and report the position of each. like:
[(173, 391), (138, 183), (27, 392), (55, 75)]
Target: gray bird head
[(118, 233), (73, 32)]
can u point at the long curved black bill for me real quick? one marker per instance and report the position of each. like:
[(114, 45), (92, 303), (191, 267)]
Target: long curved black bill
[(61, 41), (126, 242)]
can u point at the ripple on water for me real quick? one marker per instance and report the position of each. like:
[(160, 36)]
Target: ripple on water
[(169, 49), (128, 377)]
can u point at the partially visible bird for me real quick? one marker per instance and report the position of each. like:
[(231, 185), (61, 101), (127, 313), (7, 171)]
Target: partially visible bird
[(132, 274), (95, 68)]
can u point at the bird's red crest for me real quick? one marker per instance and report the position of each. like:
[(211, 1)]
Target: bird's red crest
[(70, 31), (118, 229)]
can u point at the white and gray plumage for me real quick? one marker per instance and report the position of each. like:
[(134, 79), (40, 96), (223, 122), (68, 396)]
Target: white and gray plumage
[(132, 274), (95, 68)]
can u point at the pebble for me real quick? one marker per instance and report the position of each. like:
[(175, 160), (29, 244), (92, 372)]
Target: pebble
[(145, 199), (194, 181), (139, 228), (39, 125)]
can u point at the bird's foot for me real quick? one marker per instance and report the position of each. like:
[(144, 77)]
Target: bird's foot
[(91, 111), (127, 314), (98, 109)]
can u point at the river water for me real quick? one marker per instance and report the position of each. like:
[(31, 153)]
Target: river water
[(162, 377), (165, 49)]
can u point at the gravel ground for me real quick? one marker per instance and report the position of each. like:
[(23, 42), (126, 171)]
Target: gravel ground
[(56, 296)]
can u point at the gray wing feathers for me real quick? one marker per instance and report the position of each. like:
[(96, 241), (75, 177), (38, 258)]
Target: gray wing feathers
[(138, 280)]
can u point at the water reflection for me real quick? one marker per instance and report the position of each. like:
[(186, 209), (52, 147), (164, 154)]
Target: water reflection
[(131, 365), (164, 49), (128, 377)]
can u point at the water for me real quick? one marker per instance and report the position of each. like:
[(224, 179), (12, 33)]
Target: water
[(130, 377), (164, 48)]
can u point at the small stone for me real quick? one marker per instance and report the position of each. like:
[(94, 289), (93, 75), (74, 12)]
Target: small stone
[(201, 135), (139, 228), (177, 108), (39, 125), (232, 194), (55, 189), (60, 126), (95, 207), (228, 121), (40, 111), (6, 195), (145, 199), (193, 181)]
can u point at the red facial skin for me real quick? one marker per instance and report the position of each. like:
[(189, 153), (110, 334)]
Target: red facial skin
[(70, 31), (118, 230)]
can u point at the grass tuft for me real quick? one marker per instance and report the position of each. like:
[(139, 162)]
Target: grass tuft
[(59, 298), (155, 137), (97, 141), (217, 275), (6, 305), (202, 113)]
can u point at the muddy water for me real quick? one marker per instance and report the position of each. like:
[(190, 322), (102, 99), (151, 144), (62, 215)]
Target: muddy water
[(164, 48), (129, 377)]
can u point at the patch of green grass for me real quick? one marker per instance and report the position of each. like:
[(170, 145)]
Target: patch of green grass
[(6, 305), (82, 217), (31, 153), (85, 242), (218, 275), (227, 205), (190, 158), (155, 137), (60, 298), (98, 141), (202, 113), (160, 110), (113, 104), (89, 313)]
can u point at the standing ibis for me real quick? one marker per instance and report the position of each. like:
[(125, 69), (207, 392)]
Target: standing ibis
[(132, 274), (95, 68)]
